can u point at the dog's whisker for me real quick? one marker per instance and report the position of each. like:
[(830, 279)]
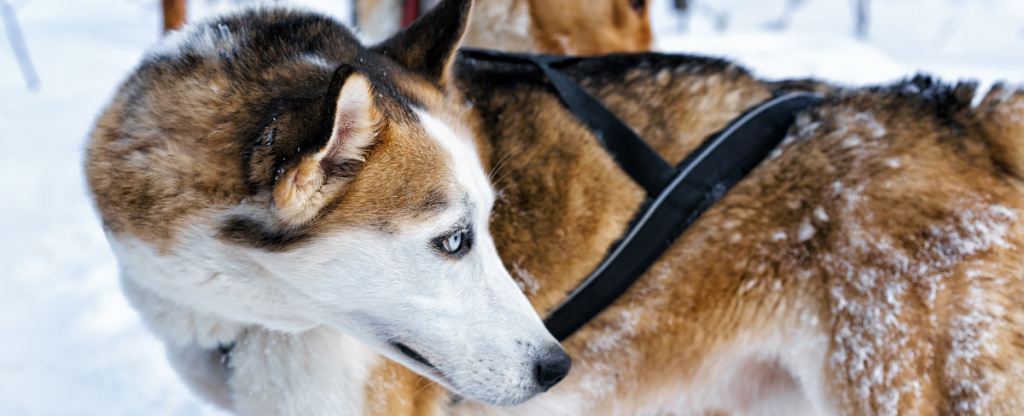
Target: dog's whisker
[(512, 153)]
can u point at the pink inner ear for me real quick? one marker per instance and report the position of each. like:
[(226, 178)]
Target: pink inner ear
[(353, 129), (344, 128)]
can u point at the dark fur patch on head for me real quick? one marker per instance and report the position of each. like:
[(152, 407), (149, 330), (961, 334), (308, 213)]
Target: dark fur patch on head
[(444, 26), (252, 233), (435, 201), (299, 126)]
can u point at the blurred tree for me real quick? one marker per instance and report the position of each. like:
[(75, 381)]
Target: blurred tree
[(18, 46), (682, 8), (861, 18), (174, 14), (782, 23), (719, 18)]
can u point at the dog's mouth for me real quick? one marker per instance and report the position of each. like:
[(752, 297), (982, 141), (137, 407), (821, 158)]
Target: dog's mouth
[(409, 352)]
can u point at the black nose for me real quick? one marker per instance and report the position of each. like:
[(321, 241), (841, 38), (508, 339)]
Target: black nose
[(552, 367)]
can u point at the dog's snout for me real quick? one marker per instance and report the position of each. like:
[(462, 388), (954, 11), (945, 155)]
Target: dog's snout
[(552, 367)]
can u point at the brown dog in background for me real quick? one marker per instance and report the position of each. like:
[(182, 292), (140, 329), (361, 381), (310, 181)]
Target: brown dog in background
[(564, 27)]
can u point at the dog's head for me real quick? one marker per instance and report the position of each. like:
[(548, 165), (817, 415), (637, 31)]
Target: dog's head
[(360, 201), (390, 190)]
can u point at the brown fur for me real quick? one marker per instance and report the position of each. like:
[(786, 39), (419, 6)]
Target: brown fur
[(564, 27), (394, 390), (151, 177), (589, 27)]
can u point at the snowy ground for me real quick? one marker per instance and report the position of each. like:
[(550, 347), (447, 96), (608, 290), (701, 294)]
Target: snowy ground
[(70, 344)]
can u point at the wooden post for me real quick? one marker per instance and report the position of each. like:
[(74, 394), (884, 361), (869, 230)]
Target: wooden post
[(174, 14)]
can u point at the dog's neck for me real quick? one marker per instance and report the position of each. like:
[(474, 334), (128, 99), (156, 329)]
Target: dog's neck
[(556, 184)]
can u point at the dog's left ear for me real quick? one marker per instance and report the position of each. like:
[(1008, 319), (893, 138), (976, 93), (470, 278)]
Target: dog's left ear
[(428, 45), (321, 176)]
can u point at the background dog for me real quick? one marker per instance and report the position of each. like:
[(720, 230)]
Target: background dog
[(564, 27)]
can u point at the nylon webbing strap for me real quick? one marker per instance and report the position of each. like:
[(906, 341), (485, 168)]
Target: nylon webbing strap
[(704, 177), (632, 153), (680, 194)]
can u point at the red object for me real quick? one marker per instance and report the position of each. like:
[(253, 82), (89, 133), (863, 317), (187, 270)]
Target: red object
[(174, 14), (410, 12)]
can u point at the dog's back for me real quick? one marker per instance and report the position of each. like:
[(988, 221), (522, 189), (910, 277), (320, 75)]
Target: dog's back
[(871, 265)]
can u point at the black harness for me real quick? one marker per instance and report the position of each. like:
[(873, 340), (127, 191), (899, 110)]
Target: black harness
[(676, 195)]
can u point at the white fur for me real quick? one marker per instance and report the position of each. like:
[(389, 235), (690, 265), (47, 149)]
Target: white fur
[(320, 371), (205, 371)]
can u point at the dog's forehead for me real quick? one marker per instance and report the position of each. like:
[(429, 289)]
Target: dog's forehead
[(422, 170), (465, 162)]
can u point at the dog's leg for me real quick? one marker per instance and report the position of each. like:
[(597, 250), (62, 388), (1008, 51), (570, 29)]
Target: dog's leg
[(177, 324), (394, 390), (318, 372), (205, 371)]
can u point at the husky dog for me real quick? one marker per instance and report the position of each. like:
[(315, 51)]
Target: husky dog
[(265, 175), (562, 27), (308, 225)]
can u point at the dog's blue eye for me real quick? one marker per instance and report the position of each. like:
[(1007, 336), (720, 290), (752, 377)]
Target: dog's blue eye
[(452, 243)]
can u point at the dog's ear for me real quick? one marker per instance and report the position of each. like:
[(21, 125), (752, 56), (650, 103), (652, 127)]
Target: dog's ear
[(428, 45), (322, 174)]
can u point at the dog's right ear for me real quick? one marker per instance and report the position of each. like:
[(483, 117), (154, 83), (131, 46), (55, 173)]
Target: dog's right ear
[(324, 172), (428, 45)]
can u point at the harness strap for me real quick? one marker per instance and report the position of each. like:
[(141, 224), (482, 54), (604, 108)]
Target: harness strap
[(633, 154), (704, 177), (686, 192)]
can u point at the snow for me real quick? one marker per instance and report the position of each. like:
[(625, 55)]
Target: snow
[(525, 280), (874, 274), (951, 39), (72, 345), (806, 230)]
